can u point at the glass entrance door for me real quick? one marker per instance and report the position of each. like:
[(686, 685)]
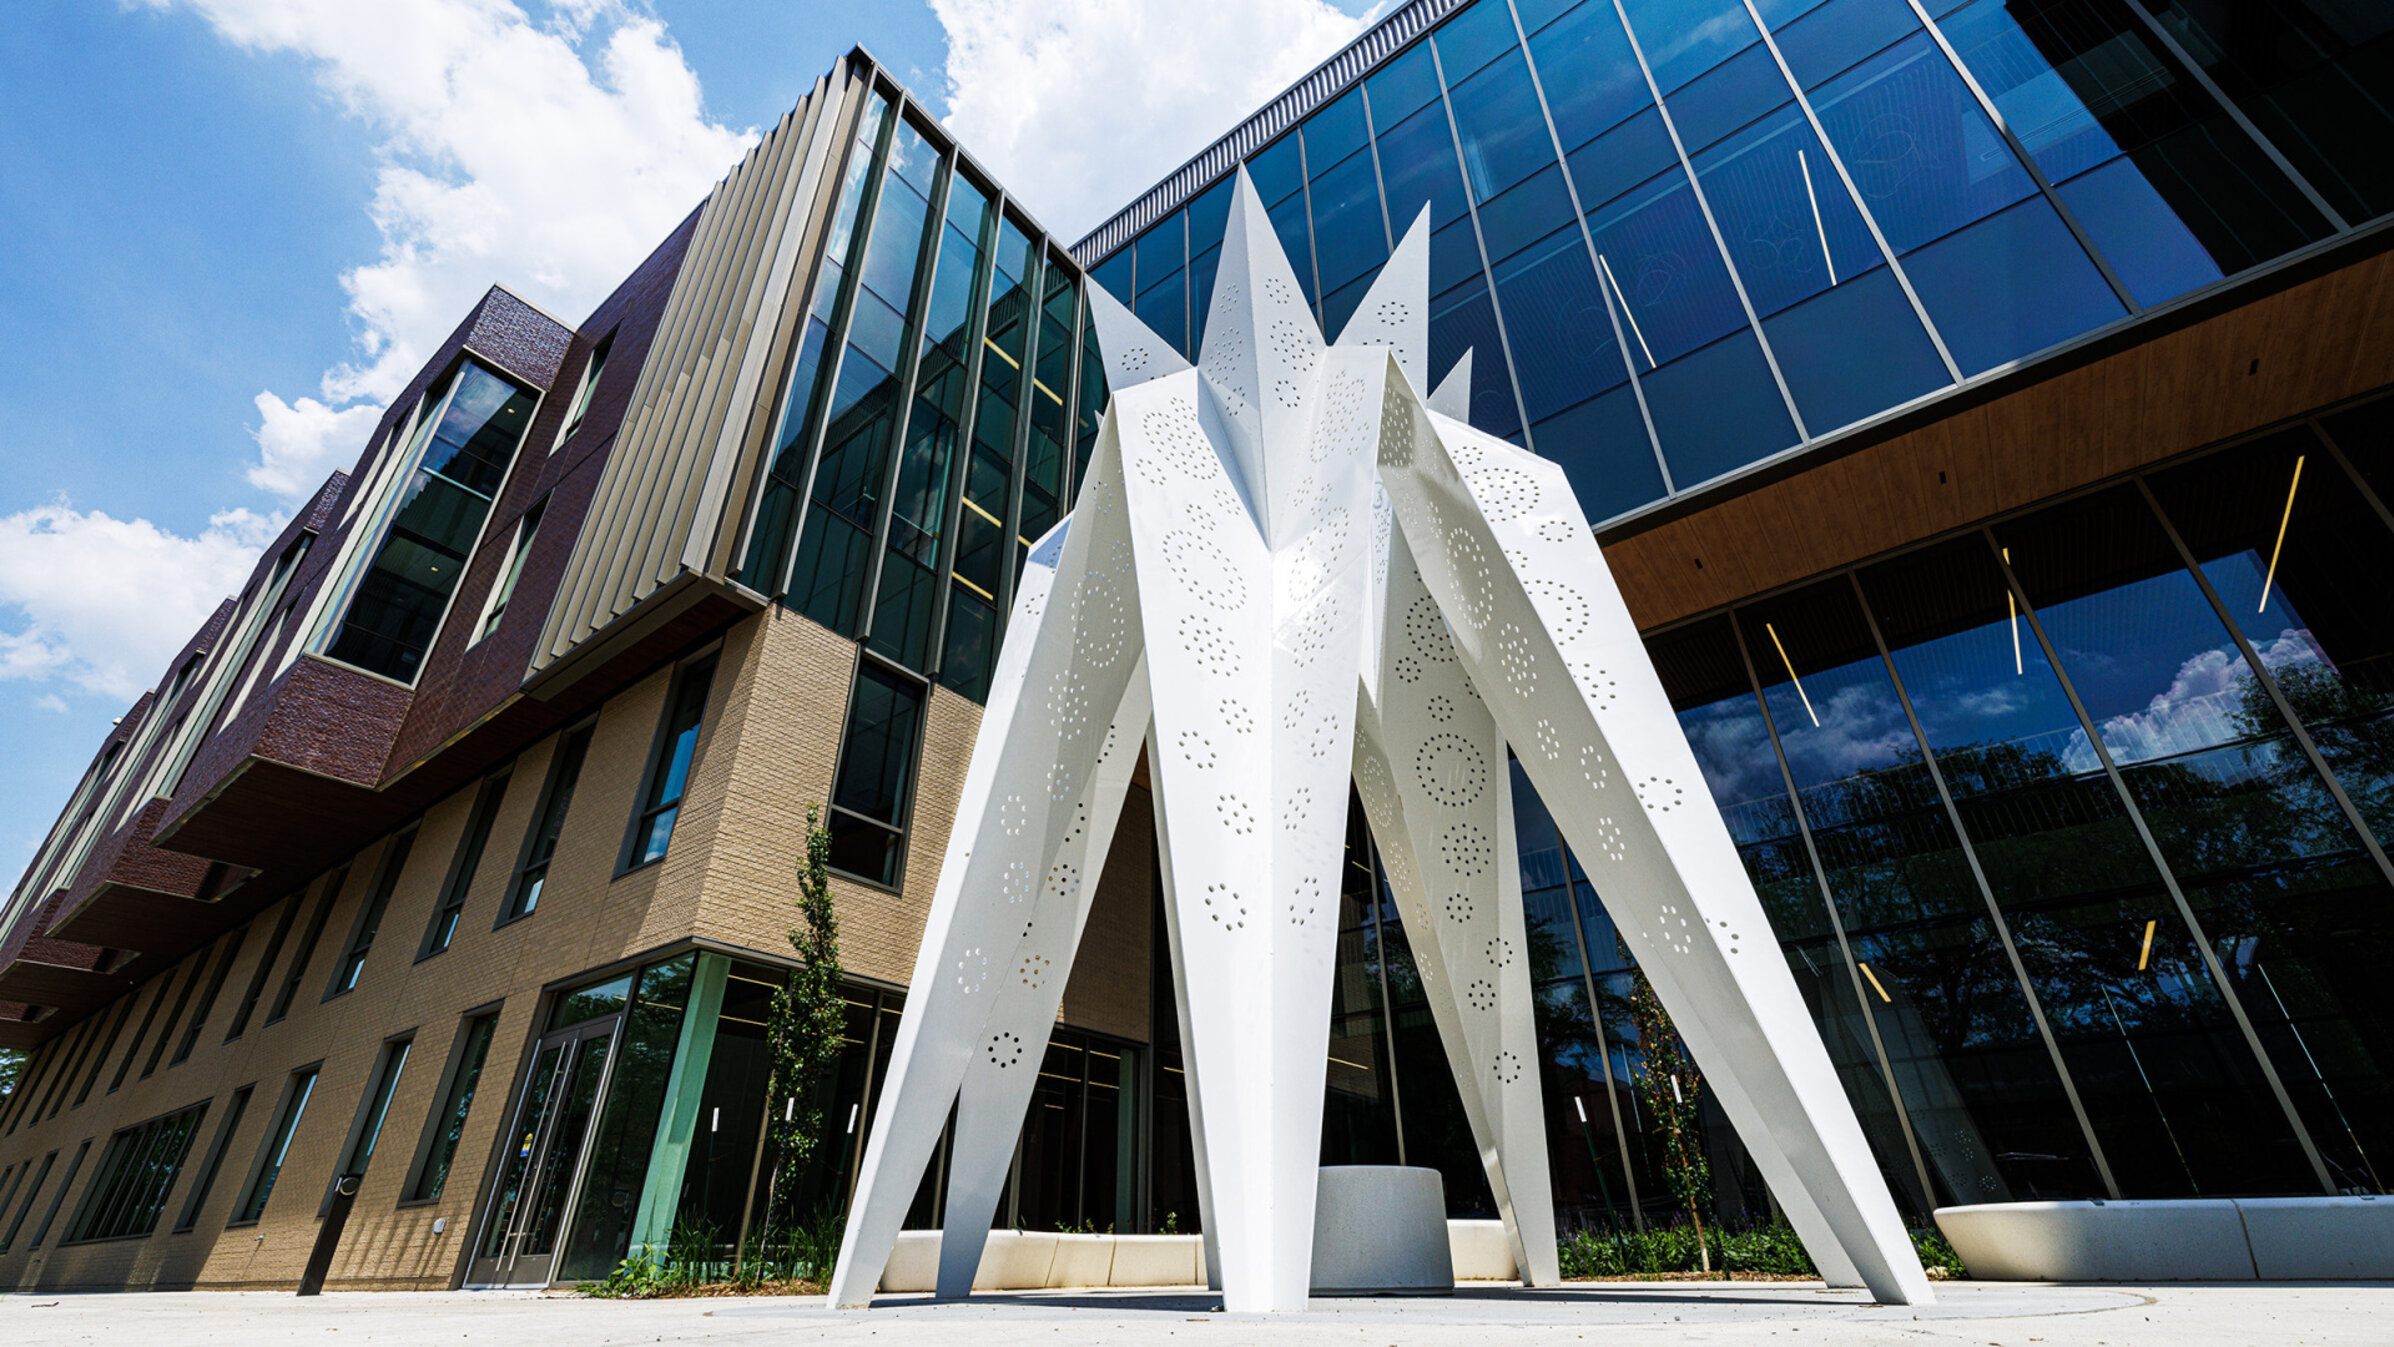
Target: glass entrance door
[(553, 1112)]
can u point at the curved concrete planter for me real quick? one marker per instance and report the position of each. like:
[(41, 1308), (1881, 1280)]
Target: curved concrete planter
[(1381, 1230), (2194, 1239)]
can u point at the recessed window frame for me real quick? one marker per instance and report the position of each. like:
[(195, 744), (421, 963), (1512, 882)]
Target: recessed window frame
[(904, 827), (373, 1111), (453, 1099), (651, 804), (541, 839), (502, 590), (58, 1196), (214, 1164), (274, 1149), (306, 953), (267, 959), (128, 1196), (233, 945), (594, 372), (448, 916), (372, 912)]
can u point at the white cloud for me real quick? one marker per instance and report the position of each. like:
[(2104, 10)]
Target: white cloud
[(1076, 105), (106, 601), (299, 443)]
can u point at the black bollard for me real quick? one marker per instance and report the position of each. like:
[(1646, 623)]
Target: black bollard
[(328, 1235)]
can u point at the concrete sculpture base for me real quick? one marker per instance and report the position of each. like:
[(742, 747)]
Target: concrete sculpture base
[(2195, 1239), (1381, 1230)]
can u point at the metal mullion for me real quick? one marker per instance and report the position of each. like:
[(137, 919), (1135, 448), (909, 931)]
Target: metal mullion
[(1854, 194), (1845, 946), (910, 363), (1071, 391), (1371, 142), (835, 331), (1687, 165), (1604, 1050), (1504, 340), (960, 471), (2269, 683), (2036, 173), (2169, 877), (1034, 293), (1313, 255), (1587, 236), (2319, 431), (1396, 1094), (2236, 114), (2003, 928)]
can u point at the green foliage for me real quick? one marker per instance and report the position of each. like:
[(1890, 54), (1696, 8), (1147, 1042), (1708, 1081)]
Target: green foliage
[(1769, 1250), (12, 1067), (696, 1261), (803, 1037)]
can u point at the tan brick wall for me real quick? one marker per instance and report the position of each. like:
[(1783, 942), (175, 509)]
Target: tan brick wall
[(1109, 987)]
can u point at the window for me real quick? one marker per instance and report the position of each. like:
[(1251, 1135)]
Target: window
[(540, 845), (590, 382), (372, 1107), (526, 529), (136, 1174), (278, 1145), (207, 1001), (30, 1193), (124, 1012), (462, 867), (369, 918), (215, 1160), (199, 967), (875, 783), (50, 1213), (446, 1127), (307, 944), (459, 457), (669, 767), (265, 968), (149, 1017)]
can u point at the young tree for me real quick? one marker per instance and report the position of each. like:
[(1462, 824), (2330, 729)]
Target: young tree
[(804, 1036), (1670, 1089)]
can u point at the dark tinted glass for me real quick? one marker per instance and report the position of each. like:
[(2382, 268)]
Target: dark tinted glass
[(1403, 86), (1502, 131), (1684, 38), (1590, 73), (1727, 97), (1464, 319), (1828, 40), (1717, 408), (1473, 38), (1922, 153), (2009, 286), (1417, 159), (1348, 236), (1853, 352), (1562, 337), (1334, 132), (1602, 447)]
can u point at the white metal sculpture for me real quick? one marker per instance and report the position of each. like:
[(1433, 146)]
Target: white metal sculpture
[(1288, 571)]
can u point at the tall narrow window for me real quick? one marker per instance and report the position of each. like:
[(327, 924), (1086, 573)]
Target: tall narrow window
[(99, 1062), (306, 953), (372, 1107), (278, 1146), (590, 382), (461, 457), (669, 769), (265, 968), (526, 529), (207, 1001), (166, 1033), (137, 1171), (31, 1192), (462, 866), (78, 1045), (446, 1127), (869, 797), (166, 986), (540, 845), (50, 1214), (215, 1160), (369, 918)]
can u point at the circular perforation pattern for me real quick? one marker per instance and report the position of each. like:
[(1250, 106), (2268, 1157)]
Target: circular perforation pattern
[(1372, 776), (1223, 904), (1067, 701), (1671, 927), (1504, 493), (1339, 425), (1322, 735), (1557, 530), (1226, 353), (1440, 709), (1137, 364), (972, 970), (1660, 794), (1500, 952), (1298, 710), (1064, 881), (1396, 435), (1015, 883), (1564, 611), (1005, 1049), (1595, 768), (1451, 769), (1426, 627), (1225, 503), (1609, 840), (1474, 576), (1508, 1067), (1103, 633), (1312, 634), (1196, 749), (1204, 570), (1034, 970), (1392, 312), (1297, 809), (1480, 995), (1080, 822), (1179, 442), (1466, 453), (1734, 948), (1517, 655), (1465, 848), (1014, 815), (1205, 640), (1235, 717), (1060, 784), (1550, 740), (1407, 669), (1459, 907), (1307, 902), (1034, 604), (1235, 814)]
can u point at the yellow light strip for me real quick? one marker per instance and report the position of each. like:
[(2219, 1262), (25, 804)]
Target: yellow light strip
[(1791, 675), (1874, 983), (1633, 318), (2283, 520), (1806, 170), (976, 589), (1051, 393), (976, 509), (1001, 353), (2012, 601), (2145, 955)]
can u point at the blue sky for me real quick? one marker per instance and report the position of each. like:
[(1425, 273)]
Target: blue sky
[(230, 228)]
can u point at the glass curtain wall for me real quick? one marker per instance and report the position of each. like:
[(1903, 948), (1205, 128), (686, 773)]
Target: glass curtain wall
[(928, 421), (1685, 235)]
